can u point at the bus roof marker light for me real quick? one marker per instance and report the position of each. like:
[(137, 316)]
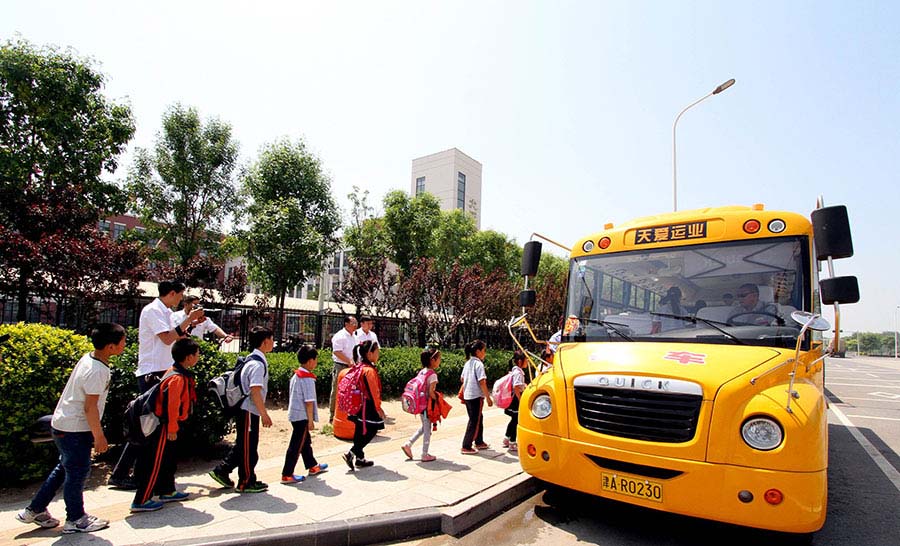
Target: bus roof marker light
[(587, 246), (608, 225), (752, 226), (777, 225), (605, 242)]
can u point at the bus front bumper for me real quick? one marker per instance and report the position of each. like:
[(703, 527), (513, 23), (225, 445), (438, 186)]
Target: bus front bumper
[(719, 492)]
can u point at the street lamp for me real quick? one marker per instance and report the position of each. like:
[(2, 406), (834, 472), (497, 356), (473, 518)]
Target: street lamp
[(715, 91), (896, 327)]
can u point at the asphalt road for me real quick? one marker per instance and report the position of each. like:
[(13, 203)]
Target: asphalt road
[(863, 498)]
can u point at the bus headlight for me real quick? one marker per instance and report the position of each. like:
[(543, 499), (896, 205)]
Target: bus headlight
[(762, 433), (541, 406)]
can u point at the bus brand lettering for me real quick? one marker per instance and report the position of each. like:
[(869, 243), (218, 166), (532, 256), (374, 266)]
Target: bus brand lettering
[(633, 383), (671, 232)]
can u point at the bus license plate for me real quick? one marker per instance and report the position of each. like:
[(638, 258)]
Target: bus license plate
[(623, 485)]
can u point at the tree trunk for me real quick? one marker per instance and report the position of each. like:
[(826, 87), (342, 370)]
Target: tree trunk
[(22, 311)]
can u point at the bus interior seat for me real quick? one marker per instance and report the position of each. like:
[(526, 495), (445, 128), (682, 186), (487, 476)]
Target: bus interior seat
[(716, 313)]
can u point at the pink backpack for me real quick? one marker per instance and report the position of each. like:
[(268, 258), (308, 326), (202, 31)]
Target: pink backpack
[(350, 395), (502, 393), (415, 396)]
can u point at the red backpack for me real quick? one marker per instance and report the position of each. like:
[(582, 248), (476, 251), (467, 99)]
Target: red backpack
[(415, 396), (351, 395)]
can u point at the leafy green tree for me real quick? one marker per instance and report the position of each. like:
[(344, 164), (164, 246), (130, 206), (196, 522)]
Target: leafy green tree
[(293, 220), (58, 136), (410, 225), (184, 190)]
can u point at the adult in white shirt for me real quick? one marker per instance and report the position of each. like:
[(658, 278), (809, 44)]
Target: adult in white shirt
[(156, 334), (365, 333), (342, 344), (203, 326)]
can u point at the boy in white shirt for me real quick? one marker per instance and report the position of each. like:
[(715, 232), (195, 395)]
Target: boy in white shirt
[(76, 429)]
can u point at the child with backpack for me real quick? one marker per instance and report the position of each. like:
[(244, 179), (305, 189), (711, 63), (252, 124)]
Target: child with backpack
[(517, 364), (154, 471), (303, 414), (76, 430), (368, 418), (427, 379), (244, 455), (474, 391)]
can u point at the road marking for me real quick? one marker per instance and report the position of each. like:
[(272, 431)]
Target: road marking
[(864, 385), (892, 473), (889, 395), (860, 399), (872, 417)]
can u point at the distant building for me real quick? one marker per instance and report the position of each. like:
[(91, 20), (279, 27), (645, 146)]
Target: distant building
[(451, 176)]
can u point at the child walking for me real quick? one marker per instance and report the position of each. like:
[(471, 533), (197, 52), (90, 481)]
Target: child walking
[(474, 393), (370, 418), (244, 455), (154, 471), (303, 412), (76, 429), (517, 364), (431, 359)]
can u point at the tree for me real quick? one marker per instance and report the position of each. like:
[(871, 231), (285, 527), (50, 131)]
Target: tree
[(184, 191), (58, 136), (410, 225), (293, 220)]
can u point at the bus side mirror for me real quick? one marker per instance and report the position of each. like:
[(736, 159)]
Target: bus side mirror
[(839, 290), (527, 298), (831, 233), (531, 257)]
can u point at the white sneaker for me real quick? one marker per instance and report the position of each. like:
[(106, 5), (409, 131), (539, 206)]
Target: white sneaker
[(85, 524), (44, 519)]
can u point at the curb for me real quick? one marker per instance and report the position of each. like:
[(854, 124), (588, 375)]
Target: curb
[(453, 520)]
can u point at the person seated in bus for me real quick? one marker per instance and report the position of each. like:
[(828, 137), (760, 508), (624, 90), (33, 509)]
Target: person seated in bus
[(728, 298), (670, 304), (748, 303), (698, 305)]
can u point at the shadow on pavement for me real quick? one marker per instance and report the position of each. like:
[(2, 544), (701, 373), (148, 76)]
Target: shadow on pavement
[(263, 502), (169, 516)]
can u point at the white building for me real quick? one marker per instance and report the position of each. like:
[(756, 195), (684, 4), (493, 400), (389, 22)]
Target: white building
[(451, 176)]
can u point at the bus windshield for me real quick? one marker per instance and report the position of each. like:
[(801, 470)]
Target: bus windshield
[(738, 292)]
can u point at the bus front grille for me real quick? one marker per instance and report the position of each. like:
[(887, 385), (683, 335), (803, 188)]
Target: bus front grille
[(628, 413)]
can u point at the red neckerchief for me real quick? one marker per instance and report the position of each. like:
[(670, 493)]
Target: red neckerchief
[(303, 373)]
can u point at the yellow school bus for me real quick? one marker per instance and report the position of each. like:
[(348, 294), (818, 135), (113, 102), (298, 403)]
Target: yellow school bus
[(690, 376)]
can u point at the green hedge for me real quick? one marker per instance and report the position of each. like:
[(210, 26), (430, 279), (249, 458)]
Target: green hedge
[(37, 360)]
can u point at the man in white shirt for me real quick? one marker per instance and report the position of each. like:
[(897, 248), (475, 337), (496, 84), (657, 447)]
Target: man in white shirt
[(156, 334), (342, 344), (365, 333), (203, 326)]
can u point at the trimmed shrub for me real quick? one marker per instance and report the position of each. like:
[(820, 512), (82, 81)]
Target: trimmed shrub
[(37, 360)]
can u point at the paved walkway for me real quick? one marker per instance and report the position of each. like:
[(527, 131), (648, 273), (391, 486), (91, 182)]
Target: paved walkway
[(365, 503)]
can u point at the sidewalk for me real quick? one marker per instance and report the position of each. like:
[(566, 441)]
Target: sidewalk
[(393, 499)]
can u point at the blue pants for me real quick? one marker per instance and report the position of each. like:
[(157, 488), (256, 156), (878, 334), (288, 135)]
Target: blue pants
[(71, 472)]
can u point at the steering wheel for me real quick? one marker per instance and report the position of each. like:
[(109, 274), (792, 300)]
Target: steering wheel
[(730, 322)]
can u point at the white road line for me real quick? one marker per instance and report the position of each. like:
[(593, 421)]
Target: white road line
[(872, 417), (892, 473), (863, 399), (829, 383)]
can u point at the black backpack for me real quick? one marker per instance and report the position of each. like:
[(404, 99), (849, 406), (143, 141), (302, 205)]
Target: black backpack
[(140, 420), (228, 390)]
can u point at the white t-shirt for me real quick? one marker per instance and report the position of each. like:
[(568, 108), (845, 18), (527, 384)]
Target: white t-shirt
[(343, 342), (518, 377), (199, 330), (361, 336), (554, 341), (255, 374), (472, 373), (153, 354), (90, 376)]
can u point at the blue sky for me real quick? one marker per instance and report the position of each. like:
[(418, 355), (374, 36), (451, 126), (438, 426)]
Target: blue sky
[(568, 105)]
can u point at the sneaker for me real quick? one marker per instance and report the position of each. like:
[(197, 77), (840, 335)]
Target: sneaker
[(149, 506), (318, 469), (505, 442), (257, 487), (221, 479), (172, 497), (292, 479), (348, 458), (362, 463), (482, 446), (407, 450), (85, 524), (428, 458), (468, 451), (514, 447), (125, 484), (44, 519)]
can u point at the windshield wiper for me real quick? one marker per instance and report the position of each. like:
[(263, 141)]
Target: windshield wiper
[(711, 323), (610, 326)]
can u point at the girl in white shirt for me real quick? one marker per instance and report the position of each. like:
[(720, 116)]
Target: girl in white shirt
[(517, 363)]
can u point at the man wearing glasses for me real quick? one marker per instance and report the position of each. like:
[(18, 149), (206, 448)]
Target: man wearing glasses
[(748, 303)]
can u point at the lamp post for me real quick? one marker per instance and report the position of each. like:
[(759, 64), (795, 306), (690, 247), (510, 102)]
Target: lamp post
[(896, 327), (715, 91)]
